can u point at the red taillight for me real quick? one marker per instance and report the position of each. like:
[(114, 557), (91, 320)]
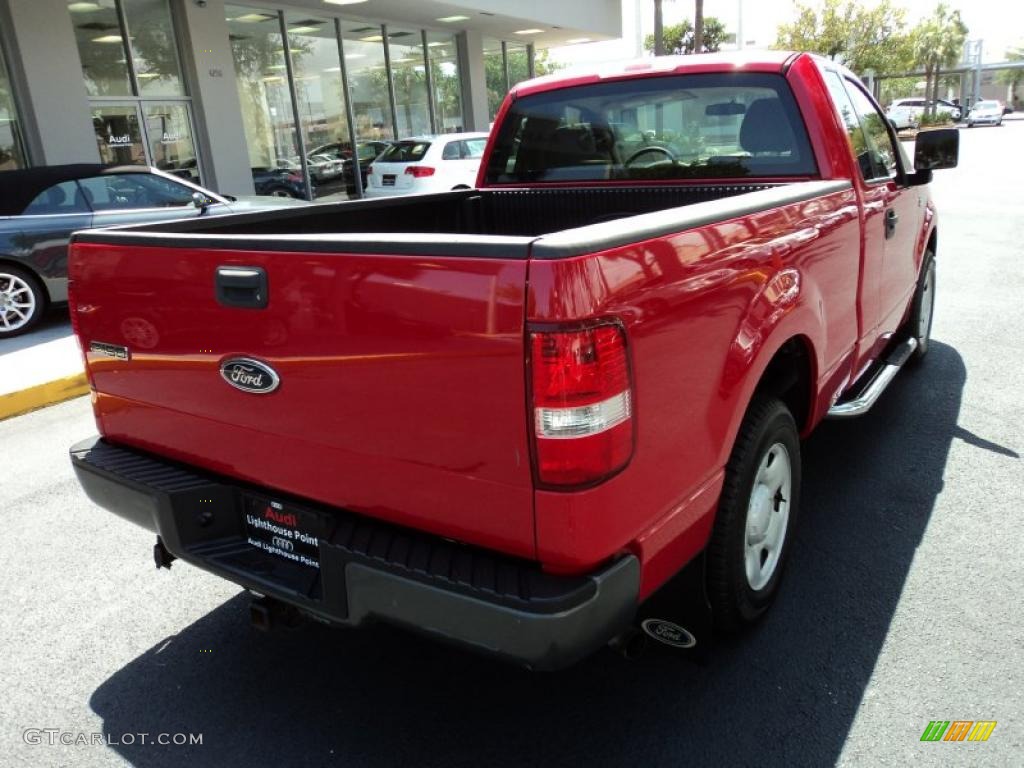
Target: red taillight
[(582, 404), (419, 171), (295, 178)]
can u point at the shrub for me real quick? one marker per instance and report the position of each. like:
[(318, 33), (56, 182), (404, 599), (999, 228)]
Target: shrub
[(939, 118)]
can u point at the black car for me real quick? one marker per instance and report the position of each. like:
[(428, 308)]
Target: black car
[(279, 182), (41, 207)]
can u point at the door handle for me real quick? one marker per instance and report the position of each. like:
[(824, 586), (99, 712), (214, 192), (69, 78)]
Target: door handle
[(891, 218), (243, 287)]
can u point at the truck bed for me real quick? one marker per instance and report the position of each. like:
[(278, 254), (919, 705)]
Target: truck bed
[(501, 223)]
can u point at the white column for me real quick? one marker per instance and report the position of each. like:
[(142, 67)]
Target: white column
[(474, 80), (210, 73), (48, 72)]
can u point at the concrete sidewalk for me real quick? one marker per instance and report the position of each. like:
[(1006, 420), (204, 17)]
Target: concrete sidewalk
[(40, 368)]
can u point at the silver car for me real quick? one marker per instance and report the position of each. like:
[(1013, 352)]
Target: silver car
[(985, 113)]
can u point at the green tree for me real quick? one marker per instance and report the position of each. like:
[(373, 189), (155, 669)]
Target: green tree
[(862, 37), (679, 38), (896, 88), (938, 41), (494, 74)]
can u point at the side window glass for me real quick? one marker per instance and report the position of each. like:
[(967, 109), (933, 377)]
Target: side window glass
[(474, 148), (59, 199), (451, 151), (112, 192), (876, 130), (854, 132)]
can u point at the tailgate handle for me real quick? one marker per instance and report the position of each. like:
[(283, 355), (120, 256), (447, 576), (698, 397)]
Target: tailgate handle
[(244, 287)]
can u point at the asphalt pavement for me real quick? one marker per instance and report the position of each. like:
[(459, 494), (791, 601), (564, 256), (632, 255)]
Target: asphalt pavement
[(902, 601)]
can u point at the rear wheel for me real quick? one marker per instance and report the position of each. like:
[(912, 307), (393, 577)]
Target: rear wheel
[(22, 301), (760, 497)]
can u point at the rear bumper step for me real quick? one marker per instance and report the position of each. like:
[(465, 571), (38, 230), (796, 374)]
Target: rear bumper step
[(368, 570), (878, 383)]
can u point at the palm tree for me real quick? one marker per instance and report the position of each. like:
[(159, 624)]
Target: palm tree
[(698, 28), (659, 39)]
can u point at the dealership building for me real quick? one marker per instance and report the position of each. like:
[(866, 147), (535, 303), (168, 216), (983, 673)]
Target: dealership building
[(223, 91)]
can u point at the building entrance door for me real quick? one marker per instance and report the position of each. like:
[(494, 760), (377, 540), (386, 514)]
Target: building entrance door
[(156, 133), (118, 130)]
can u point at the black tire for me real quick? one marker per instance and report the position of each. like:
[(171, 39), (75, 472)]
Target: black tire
[(14, 283), (735, 601), (918, 326)]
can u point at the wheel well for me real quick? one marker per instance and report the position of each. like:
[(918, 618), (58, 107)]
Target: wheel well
[(933, 242), (21, 265), (788, 377)]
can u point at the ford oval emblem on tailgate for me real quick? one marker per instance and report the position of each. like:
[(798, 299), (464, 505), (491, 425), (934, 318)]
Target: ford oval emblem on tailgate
[(249, 375)]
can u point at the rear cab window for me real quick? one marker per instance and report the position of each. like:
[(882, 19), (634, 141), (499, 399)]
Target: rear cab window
[(405, 152), (735, 125)]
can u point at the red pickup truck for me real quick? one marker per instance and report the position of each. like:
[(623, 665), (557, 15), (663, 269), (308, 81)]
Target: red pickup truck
[(507, 416)]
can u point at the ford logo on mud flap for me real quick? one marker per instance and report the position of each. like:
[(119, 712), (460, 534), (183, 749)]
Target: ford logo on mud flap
[(249, 375), (668, 633)]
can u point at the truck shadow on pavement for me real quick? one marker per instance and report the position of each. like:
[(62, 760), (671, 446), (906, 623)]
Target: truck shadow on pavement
[(785, 694)]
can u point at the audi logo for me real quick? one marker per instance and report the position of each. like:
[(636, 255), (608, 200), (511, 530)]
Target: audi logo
[(282, 543)]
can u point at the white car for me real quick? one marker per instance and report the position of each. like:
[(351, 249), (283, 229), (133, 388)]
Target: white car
[(917, 106), (903, 117), (990, 112), (427, 164)]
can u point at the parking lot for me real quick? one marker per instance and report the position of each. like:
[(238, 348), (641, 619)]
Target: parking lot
[(902, 601)]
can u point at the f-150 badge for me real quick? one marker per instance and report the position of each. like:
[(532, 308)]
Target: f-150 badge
[(249, 375)]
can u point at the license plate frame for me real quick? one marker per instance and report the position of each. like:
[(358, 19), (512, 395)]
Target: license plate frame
[(388, 180), (284, 531)]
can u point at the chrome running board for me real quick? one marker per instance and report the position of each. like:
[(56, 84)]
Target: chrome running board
[(878, 384)]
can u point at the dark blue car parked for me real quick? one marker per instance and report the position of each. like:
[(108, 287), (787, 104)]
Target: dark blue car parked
[(41, 207)]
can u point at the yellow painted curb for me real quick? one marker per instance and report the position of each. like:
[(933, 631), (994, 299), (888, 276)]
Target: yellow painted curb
[(41, 395)]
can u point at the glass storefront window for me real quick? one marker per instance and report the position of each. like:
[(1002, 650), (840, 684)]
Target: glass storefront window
[(12, 152), (518, 63), (367, 80), (320, 94), (494, 71), (444, 76), (261, 73), (154, 51), (118, 134), (101, 48), (408, 72), (104, 52)]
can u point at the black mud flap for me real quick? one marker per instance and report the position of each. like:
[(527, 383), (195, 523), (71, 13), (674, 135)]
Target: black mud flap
[(677, 618)]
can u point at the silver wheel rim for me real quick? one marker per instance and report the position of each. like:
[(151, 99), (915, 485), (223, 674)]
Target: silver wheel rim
[(924, 323), (17, 302), (767, 516)]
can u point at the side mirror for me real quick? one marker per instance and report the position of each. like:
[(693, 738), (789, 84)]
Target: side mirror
[(936, 149), (200, 201)]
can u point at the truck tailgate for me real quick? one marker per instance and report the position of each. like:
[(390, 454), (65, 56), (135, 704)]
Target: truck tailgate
[(402, 381)]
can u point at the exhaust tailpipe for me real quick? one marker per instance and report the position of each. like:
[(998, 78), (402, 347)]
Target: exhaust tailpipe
[(266, 614)]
